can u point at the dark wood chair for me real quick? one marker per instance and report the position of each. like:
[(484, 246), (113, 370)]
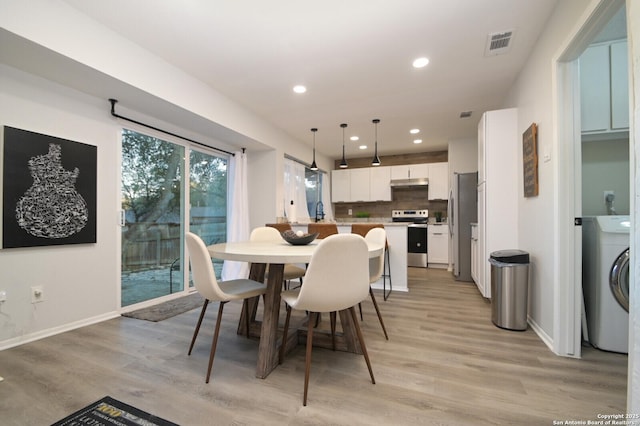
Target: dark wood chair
[(280, 226), (324, 229)]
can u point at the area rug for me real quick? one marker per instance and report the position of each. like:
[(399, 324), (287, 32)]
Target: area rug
[(167, 309), (109, 411)]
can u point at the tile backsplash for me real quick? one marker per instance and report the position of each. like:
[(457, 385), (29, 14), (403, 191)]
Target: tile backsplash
[(402, 199)]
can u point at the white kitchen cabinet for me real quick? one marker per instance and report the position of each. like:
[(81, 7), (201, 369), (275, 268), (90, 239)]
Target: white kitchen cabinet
[(380, 183), (438, 245), (498, 192), (438, 181), (474, 252), (400, 172), (340, 186), (604, 88), (619, 86), (360, 185), (410, 171), (418, 171)]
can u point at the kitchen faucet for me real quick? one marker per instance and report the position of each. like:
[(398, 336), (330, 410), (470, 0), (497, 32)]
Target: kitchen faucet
[(319, 211)]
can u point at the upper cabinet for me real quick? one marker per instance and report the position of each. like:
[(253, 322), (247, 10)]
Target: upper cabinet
[(604, 88), (372, 184), (410, 171), (438, 181), (360, 185), (364, 184), (380, 183), (340, 185)]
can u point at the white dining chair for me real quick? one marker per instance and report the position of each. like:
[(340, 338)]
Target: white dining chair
[(269, 234), (376, 268), (337, 279), (204, 279)]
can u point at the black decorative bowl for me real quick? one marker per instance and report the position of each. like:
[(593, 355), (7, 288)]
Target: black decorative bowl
[(292, 238)]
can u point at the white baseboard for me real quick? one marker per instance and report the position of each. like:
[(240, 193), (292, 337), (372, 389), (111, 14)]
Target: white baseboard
[(541, 334), (26, 338)]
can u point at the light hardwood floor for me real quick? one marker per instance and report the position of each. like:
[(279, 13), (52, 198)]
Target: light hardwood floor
[(445, 364)]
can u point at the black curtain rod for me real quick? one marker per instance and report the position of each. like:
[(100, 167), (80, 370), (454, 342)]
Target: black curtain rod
[(113, 112)]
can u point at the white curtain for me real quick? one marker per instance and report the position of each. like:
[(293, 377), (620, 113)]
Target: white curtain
[(326, 197), (237, 214), (295, 192)]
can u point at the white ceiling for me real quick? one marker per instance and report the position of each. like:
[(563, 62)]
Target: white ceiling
[(354, 56)]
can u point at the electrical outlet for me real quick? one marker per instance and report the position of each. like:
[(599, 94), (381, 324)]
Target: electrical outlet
[(3, 296), (37, 294), (350, 212)]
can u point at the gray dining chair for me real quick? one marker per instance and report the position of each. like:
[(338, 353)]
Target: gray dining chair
[(337, 279), (204, 279)]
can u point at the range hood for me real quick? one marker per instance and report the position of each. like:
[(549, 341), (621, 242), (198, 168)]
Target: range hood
[(396, 183)]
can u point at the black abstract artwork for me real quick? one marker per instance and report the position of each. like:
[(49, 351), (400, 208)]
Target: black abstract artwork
[(49, 190)]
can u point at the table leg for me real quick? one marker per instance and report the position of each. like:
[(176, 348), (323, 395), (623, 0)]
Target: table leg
[(256, 273), (268, 348), (349, 332)]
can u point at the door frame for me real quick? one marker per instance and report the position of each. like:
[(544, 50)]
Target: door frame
[(568, 244)]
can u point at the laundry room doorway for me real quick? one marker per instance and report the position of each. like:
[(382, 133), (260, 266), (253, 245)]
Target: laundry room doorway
[(577, 195)]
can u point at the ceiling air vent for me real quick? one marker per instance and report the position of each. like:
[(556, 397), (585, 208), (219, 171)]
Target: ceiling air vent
[(498, 43), (465, 114)]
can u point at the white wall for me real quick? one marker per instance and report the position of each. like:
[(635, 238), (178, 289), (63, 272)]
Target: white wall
[(534, 95), (605, 167), (54, 93), (80, 281)]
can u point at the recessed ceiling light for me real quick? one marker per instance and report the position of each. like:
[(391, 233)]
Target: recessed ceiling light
[(420, 62), (417, 141), (299, 89), (354, 138), (414, 131), (362, 147)]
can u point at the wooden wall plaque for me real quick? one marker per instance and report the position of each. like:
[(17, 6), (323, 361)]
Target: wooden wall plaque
[(530, 160)]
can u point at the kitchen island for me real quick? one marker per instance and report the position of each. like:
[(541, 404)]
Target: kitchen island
[(397, 239)]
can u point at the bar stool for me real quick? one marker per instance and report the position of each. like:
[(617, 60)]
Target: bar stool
[(280, 226), (324, 229), (362, 229)]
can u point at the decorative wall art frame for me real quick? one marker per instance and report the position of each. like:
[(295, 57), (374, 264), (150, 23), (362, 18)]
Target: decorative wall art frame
[(49, 189), (530, 160)]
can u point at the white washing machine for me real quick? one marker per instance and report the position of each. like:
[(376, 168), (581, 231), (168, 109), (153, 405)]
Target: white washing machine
[(605, 244)]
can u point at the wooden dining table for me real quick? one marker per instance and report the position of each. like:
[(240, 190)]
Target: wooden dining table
[(276, 255)]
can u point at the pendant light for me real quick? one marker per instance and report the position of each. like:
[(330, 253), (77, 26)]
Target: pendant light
[(314, 167), (376, 160), (343, 163)]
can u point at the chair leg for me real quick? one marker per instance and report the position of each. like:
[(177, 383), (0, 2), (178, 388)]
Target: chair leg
[(375, 305), (386, 272), (214, 343), (360, 308), (307, 362), (332, 315), (246, 317), (361, 339), (195, 333), (284, 335)]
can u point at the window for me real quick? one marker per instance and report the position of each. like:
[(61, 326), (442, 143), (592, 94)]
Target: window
[(313, 183)]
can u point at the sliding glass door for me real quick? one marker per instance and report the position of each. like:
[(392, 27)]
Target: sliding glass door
[(155, 205), (152, 217)]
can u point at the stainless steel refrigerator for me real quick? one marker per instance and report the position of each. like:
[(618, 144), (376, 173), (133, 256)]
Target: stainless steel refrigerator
[(463, 211)]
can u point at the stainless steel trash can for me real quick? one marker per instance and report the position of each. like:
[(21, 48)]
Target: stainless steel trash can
[(509, 288)]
